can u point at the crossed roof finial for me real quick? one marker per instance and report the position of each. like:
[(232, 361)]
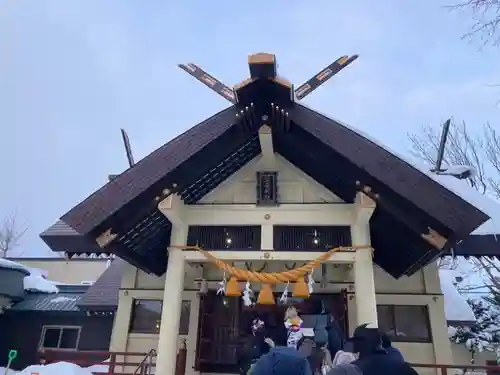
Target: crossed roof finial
[(263, 66)]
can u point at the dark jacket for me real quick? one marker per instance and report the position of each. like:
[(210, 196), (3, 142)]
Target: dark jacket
[(394, 353), (282, 361), (383, 364), (252, 348), (335, 337), (373, 358)]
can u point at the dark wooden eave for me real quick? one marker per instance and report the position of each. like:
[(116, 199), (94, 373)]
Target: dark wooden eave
[(477, 245), (197, 161)]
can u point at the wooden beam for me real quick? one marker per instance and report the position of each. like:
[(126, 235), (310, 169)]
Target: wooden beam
[(291, 256), (262, 65), (435, 239), (173, 208), (105, 238), (364, 206), (266, 144)]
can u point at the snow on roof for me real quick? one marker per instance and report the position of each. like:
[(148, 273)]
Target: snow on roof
[(38, 283), (4, 263), (456, 307), (460, 188), (35, 279)]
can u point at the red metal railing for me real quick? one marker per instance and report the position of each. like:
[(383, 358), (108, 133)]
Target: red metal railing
[(444, 369), (133, 361), (123, 363)]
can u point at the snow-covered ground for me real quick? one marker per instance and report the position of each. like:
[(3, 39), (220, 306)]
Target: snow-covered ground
[(59, 368)]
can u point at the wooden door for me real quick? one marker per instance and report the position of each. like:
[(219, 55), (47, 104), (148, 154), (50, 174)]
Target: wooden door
[(217, 334)]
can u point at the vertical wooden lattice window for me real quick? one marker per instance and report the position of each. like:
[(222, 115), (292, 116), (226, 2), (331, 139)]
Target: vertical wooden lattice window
[(225, 237), (310, 238), (267, 188)]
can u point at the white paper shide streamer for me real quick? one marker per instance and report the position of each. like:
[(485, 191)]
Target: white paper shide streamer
[(284, 295), (247, 295), (222, 285), (310, 282)]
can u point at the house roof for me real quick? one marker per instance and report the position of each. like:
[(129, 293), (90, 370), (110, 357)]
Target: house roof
[(66, 300), (409, 202), (103, 294)]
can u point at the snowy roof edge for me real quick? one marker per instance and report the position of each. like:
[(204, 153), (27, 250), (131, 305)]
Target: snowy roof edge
[(488, 206)]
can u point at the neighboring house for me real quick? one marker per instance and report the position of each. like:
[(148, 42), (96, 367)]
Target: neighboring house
[(269, 184), (43, 314), (52, 321)]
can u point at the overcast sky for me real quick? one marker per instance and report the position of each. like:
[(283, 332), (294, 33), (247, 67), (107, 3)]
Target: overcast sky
[(72, 73)]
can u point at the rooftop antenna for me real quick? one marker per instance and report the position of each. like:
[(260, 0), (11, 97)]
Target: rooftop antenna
[(462, 172), (128, 151), (442, 145)]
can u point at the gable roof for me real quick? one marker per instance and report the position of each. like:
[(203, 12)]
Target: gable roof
[(408, 200), (66, 300), (103, 294)]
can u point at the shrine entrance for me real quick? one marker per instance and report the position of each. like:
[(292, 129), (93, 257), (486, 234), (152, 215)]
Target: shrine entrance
[(224, 321)]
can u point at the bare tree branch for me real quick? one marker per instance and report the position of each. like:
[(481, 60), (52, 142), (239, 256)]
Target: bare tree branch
[(10, 234), (486, 18), (480, 151)]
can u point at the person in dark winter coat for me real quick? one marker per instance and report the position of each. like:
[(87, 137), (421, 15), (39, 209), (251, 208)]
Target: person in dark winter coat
[(391, 350), (254, 346), (283, 360), (372, 357), (335, 336)]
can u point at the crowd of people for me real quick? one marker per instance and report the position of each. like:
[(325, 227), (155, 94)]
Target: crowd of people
[(367, 352)]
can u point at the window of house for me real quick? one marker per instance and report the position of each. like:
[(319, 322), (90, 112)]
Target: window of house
[(54, 337), (146, 316), (405, 323)]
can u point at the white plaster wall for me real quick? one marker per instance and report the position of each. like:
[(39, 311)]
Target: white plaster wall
[(294, 186)]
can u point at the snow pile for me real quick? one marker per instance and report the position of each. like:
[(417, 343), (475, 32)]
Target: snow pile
[(59, 368), (456, 307), (98, 368), (4, 263), (37, 283)]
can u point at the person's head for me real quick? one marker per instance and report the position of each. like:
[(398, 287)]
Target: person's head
[(291, 313), (366, 340), (386, 341), (305, 346)]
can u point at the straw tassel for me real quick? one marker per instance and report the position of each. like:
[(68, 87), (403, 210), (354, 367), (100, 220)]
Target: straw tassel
[(266, 296), (301, 289), (233, 287)]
